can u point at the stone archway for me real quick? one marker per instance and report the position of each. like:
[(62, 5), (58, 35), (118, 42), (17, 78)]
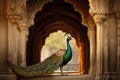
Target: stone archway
[(106, 17), (57, 16)]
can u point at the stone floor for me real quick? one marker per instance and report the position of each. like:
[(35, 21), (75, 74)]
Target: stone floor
[(52, 77), (7, 76), (58, 77)]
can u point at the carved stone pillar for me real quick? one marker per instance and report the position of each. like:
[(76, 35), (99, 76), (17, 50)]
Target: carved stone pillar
[(13, 38), (99, 20), (92, 38), (32, 8), (106, 56), (16, 40), (22, 45), (16, 14), (112, 46), (118, 50)]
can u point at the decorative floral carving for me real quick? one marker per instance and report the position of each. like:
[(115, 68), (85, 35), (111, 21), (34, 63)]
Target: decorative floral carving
[(82, 9), (16, 10), (14, 18), (32, 8), (99, 18)]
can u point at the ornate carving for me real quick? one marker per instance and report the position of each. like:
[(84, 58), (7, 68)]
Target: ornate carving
[(21, 24), (16, 6), (99, 18), (98, 7), (82, 9), (16, 10), (14, 18), (22, 27), (11, 6), (32, 8)]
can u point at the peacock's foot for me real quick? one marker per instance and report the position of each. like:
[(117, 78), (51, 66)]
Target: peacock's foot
[(61, 69)]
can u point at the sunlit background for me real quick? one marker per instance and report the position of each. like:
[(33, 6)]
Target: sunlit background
[(56, 41)]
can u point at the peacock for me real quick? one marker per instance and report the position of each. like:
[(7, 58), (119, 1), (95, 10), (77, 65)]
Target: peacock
[(48, 66)]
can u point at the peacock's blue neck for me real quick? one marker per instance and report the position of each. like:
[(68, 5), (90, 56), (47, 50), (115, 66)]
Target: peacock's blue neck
[(69, 51), (68, 55)]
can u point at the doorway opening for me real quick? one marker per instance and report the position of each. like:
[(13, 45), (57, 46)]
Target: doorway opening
[(56, 41), (52, 18)]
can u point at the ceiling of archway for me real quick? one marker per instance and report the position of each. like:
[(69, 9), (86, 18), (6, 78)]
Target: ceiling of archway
[(56, 12), (81, 6)]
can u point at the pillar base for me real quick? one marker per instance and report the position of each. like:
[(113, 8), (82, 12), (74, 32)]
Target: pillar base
[(7, 76), (110, 76), (98, 78)]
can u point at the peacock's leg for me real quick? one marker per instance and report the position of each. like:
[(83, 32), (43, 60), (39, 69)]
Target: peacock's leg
[(61, 69)]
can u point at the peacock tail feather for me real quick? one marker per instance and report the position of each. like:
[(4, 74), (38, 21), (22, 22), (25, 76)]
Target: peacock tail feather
[(46, 67)]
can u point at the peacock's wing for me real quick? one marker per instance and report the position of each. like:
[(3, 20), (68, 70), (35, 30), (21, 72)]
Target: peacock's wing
[(61, 52), (44, 68)]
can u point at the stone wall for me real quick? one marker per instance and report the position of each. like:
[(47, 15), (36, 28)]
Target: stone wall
[(3, 36)]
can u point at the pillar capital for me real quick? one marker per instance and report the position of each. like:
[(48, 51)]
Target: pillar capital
[(118, 15), (22, 27), (99, 18), (14, 18)]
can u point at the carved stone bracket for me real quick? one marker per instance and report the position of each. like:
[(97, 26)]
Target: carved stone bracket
[(82, 9), (21, 23), (16, 11), (33, 8), (99, 18), (14, 18), (17, 19), (117, 15), (24, 28), (16, 7)]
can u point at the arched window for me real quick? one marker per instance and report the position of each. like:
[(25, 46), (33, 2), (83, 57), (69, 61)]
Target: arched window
[(49, 19), (56, 41)]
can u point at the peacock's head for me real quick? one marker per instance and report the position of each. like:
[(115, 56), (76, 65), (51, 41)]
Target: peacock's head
[(68, 37)]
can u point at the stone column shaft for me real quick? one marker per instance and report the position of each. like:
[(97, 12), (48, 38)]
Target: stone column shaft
[(110, 48), (16, 40), (22, 45), (99, 20), (106, 57), (92, 38), (118, 52), (112, 44), (99, 50), (13, 42)]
